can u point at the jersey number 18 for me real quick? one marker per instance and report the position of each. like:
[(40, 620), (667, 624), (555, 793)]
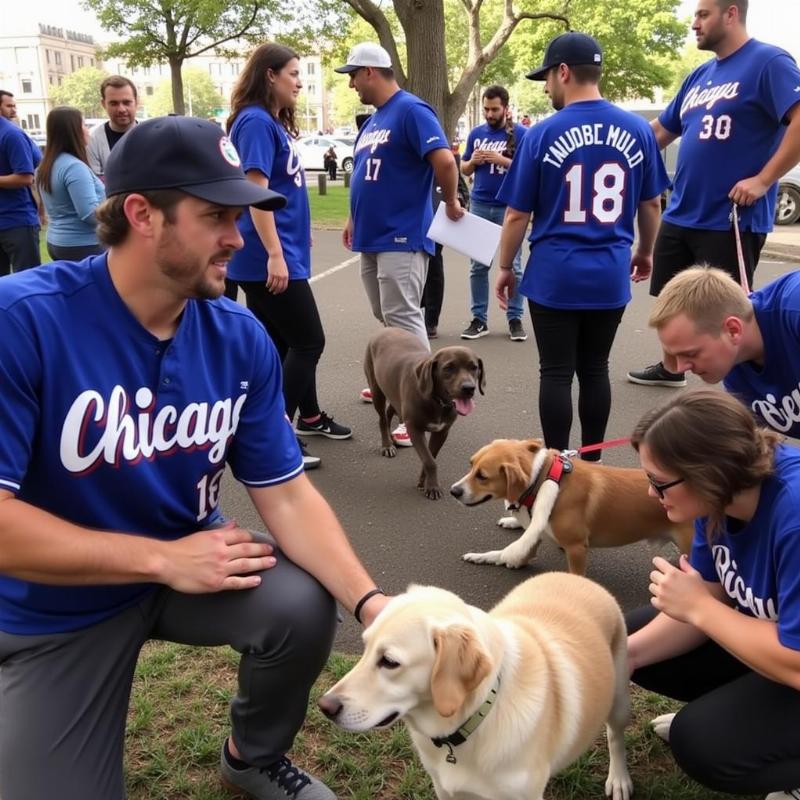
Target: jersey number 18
[(608, 189)]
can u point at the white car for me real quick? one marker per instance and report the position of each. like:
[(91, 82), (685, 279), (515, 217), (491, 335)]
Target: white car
[(787, 209), (312, 151)]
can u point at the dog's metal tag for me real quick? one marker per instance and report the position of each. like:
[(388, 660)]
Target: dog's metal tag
[(450, 758), (567, 464)]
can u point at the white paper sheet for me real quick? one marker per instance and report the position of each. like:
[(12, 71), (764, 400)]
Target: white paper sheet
[(472, 236)]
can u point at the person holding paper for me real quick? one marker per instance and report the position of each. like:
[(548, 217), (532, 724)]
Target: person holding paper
[(487, 157), (397, 152), (584, 173)]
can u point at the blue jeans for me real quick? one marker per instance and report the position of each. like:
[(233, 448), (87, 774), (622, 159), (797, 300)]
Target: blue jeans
[(479, 273)]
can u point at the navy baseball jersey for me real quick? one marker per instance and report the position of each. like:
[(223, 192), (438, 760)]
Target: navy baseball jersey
[(108, 427), (390, 193), (265, 145), (730, 115), (583, 172), (19, 155), (488, 178), (773, 390), (758, 563)]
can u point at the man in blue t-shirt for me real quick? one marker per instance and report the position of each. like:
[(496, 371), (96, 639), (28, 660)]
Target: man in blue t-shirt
[(129, 384), (19, 215), (487, 157), (397, 152), (585, 173), (738, 116), (708, 326)]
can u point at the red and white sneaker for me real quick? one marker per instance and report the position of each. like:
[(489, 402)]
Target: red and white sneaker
[(365, 395), (401, 437)]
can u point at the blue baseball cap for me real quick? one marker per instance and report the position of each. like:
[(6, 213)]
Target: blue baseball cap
[(571, 49), (185, 153)]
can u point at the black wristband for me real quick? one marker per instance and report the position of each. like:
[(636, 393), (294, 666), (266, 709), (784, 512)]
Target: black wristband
[(360, 603)]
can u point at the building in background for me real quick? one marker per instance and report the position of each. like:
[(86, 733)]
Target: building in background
[(34, 60)]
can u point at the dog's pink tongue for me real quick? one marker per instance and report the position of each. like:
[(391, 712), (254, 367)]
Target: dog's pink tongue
[(464, 407)]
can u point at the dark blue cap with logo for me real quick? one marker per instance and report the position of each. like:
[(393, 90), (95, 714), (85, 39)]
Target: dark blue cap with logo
[(184, 153), (571, 49)]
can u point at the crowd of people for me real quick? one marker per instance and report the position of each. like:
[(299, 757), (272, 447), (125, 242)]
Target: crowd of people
[(132, 378)]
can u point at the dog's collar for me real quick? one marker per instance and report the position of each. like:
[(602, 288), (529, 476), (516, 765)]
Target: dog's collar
[(469, 727), (559, 466), (442, 403)]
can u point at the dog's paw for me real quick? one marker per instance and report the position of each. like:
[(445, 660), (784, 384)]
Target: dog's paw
[(511, 523), (389, 452), (515, 556), (490, 557), (619, 785), (433, 492)]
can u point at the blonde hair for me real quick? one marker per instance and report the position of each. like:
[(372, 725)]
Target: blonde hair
[(706, 295), (712, 441)]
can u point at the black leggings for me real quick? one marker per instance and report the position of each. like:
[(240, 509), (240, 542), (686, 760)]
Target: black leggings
[(292, 321), (574, 341), (738, 732)]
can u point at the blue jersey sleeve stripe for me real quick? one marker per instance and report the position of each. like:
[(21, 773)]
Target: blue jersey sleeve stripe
[(272, 481)]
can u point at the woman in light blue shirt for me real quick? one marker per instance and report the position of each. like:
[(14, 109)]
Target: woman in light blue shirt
[(70, 190)]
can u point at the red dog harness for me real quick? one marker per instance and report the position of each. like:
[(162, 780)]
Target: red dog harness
[(560, 466)]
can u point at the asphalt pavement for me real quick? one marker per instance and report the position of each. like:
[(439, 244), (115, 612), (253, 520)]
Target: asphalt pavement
[(401, 536)]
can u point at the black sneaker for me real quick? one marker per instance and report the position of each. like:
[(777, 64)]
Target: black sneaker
[(656, 375), (309, 462), (515, 331), (324, 426), (476, 329)]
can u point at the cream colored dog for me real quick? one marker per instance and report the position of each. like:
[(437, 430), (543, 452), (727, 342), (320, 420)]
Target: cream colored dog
[(592, 505), (496, 703)]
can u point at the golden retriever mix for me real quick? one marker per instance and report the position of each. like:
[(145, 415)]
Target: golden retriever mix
[(496, 703), (589, 505)]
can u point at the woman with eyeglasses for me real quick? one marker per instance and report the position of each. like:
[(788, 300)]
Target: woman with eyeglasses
[(723, 631)]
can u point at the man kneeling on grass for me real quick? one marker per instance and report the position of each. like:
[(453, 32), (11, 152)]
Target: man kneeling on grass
[(128, 384)]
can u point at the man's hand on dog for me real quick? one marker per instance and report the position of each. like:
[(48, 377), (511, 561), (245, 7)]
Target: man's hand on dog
[(677, 591), (214, 560)]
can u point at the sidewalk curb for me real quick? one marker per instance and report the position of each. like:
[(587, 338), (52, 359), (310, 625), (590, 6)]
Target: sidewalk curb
[(781, 252)]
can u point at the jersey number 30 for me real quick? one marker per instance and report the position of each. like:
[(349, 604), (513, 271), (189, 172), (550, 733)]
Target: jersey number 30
[(608, 189)]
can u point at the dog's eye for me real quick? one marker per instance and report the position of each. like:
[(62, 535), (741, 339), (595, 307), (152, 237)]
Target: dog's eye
[(448, 368), (384, 662), (480, 475)]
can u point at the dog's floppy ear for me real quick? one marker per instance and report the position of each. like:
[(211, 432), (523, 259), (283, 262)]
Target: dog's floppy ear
[(534, 444), (461, 664), (516, 478), (481, 376), (426, 374)]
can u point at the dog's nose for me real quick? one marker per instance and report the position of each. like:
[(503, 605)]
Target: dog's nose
[(456, 490), (467, 389), (330, 705)]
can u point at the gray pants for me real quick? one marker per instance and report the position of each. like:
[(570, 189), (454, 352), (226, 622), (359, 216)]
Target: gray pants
[(394, 282), (64, 697)]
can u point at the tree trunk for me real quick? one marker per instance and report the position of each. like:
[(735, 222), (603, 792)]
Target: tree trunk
[(423, 23), (175, 65)]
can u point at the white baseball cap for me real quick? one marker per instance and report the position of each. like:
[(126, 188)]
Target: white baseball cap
[(366, 54)]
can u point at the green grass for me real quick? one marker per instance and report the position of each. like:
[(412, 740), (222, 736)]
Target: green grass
[(179, 717), (328, 211)]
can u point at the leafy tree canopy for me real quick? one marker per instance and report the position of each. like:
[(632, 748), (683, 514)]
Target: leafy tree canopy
[(82, 90), (200, 96)]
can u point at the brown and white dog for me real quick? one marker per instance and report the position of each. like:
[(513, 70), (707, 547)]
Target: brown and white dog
[(496, 703), (427, 391), (590, 505)]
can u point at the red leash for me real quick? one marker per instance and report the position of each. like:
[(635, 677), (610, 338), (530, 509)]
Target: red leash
[(592, 447)]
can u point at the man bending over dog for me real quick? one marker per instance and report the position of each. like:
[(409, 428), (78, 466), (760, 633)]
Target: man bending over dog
[(128, 384), (710, 327)]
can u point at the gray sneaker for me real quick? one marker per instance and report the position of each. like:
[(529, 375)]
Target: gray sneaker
[(515, 330), (279, 781), (475, 330)]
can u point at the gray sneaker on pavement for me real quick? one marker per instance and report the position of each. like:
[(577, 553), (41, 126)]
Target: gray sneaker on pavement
[(279, 781), (475, 330), (516, 332)]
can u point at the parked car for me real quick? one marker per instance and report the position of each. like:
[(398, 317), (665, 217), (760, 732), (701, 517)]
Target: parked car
[(312, 151), (787, 209)]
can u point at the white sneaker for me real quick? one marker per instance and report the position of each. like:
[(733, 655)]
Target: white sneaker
[(661, 726), (365, 395), (791, 795), (401, 437)]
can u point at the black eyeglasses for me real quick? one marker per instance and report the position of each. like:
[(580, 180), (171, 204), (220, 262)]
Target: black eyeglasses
[(660, 488)]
